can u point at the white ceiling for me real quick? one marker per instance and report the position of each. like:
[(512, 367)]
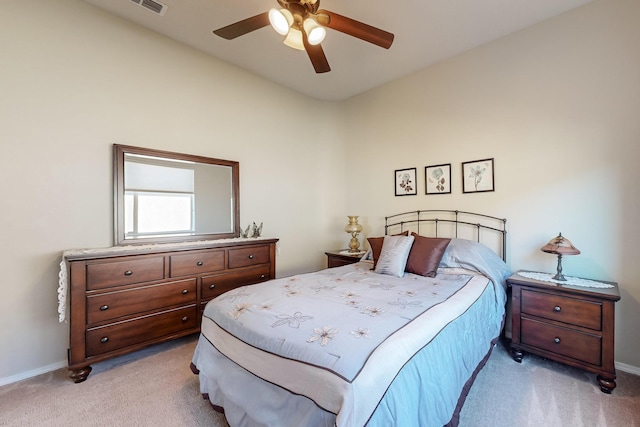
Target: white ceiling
[(426, 31)]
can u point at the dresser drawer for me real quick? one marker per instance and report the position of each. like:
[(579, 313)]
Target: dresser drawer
[(562, 309), (212, 286), (124, 271), (136, 331), (128, 302), (564, 341), (245, 257), (196, 263)]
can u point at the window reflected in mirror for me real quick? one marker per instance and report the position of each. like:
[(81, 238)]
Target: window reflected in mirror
[(159, 197), (162, 196)]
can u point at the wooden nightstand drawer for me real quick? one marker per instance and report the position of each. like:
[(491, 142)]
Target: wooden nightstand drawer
[(564, 341), (577, 312), (340, 258), (124, 271), (111, 305)]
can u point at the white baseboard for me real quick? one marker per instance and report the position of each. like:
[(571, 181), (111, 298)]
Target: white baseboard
[(35, 372), (627, 368)]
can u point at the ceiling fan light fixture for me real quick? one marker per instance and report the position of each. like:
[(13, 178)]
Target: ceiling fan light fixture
[(280, 20), (294, 39), (315, 33), (304, 27)]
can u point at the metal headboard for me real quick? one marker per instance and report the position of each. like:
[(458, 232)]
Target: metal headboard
[(458, 224)]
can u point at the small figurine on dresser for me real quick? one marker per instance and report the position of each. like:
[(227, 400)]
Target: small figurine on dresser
[(257, 231)]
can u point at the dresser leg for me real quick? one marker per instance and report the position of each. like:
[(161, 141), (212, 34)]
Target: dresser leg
[(606, 384), (79, 375), (517, 355)]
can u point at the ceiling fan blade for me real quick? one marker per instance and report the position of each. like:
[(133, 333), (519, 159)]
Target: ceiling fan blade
[(316, 55), (356, 29), (243, 27)]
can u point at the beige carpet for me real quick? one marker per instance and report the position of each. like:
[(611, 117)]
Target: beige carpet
[(154, 387), (540, 392)]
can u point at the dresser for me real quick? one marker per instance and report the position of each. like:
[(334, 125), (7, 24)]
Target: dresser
[(570, 324), (126, 298)]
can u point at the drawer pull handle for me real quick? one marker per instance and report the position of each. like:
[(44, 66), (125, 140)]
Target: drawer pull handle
[(557, 309), (556, 340), (185, 318), (104, 340), (250, 256), (104, 307), (211, 286), (262, 276), (128, 273), (199, 263), (184, 292)]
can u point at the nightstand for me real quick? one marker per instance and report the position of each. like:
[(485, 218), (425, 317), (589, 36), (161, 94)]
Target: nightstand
[(338, 258), (569, 324)]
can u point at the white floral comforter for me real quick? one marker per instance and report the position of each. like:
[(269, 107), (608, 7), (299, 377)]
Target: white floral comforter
[(338, 336)]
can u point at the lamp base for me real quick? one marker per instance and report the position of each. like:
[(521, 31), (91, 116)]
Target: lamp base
[(559, 275), (354, 244)]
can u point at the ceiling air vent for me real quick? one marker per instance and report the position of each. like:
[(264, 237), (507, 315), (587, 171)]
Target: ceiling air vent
[(152, 5)]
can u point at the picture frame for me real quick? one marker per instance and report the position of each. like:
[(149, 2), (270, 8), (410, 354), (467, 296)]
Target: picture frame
[(405, 182), (437, 179), (478, 176)]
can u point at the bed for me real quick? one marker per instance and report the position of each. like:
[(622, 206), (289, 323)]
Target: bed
[(395, 339)]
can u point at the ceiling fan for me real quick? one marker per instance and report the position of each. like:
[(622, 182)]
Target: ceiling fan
[(303, 23)]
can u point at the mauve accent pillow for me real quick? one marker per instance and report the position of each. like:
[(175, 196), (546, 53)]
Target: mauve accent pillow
[(425, 255), (376, 246), (394, 255)]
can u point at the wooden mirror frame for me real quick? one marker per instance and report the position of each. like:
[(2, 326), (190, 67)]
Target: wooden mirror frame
[(119, 152)]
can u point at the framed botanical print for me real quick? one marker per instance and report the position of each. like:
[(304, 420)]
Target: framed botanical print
[(405, 181), (477, 176), (437, 179)]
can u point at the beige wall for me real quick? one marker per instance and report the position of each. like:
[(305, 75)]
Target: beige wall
[(558, 108), (74, 81), (555, 105)]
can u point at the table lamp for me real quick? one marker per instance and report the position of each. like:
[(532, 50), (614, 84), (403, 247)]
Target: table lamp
[(560, 245), (353, 228)]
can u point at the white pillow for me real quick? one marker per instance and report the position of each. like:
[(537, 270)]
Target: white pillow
[(394, 255), (368, 256)]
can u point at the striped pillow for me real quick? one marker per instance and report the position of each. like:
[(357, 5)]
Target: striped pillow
[(394, 255), (376, 246)]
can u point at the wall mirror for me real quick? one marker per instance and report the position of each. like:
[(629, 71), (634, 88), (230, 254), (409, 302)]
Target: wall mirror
[(160, 196)]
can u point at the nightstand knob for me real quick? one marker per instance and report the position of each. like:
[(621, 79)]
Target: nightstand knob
[(184, 292), (104, 340), (556, 340), (557, 309)]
